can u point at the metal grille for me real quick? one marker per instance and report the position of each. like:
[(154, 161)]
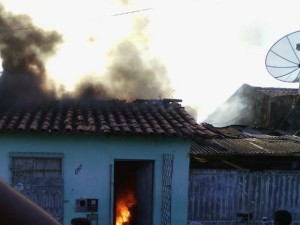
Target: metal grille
[(167, 170), (40, 179)]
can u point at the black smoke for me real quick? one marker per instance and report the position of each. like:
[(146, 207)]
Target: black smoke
[(131, 73), (24, 48)]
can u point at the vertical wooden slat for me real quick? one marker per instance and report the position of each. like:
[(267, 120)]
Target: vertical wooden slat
[(217, 191), (256, 192)]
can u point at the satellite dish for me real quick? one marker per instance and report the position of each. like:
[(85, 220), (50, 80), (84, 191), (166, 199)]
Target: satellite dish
[(283, 58)]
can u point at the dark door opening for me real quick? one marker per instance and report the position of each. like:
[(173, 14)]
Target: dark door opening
[(133, 192)]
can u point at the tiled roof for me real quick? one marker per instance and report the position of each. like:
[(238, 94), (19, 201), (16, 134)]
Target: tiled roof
[(139, 117)]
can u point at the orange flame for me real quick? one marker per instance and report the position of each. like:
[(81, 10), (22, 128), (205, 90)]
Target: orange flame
[(124, 203)]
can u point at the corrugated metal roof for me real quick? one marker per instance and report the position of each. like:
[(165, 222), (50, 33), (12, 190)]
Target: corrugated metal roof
[(274, 92), (244, 141), (250, 146), (209, 148), (247, 146)]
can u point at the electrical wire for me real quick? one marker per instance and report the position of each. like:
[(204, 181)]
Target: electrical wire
[(33, 27), (130, 12)]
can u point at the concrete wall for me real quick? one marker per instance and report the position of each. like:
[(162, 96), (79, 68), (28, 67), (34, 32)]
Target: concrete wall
[(95, 157)]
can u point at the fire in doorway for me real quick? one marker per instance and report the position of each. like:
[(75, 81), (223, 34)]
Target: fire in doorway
[(126, 209), (133, 192)]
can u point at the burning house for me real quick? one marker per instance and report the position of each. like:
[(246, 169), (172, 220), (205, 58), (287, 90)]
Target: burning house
[(86, 153), (141, 160), (115, 162)]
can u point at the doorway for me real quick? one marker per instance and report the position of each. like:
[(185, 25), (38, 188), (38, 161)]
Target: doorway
[(133, 192)]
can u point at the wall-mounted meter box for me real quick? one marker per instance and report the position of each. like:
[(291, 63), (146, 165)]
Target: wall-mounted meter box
[(86, 205)]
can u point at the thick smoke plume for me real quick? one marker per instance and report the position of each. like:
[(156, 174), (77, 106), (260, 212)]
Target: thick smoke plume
[(237, 110), (128, 77), (23, 50), (131, 72)]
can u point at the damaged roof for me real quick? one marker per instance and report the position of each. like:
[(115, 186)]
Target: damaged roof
[(275, 92), (241, 140), (140, 117), (165, 117)]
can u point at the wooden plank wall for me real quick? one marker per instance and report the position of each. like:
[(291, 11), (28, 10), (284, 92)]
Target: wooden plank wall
[(222, 197)]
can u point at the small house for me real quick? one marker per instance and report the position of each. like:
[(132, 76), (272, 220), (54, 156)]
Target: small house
[(112, 161)]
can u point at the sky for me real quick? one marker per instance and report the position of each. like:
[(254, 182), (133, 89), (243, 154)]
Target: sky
[(206, 49)]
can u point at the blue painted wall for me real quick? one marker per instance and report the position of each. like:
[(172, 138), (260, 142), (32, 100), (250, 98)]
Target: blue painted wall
[(96, 155)]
